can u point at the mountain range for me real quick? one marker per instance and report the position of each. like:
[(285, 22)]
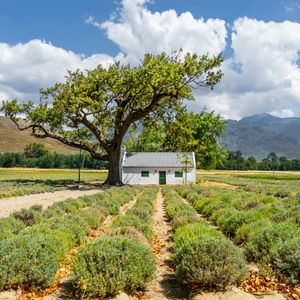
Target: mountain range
[(259, 135), (256, 135)]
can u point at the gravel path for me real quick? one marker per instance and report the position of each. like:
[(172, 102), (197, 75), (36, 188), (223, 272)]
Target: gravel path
[(12, 204)]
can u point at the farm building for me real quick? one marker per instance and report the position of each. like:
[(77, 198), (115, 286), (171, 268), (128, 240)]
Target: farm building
[(158, 168)]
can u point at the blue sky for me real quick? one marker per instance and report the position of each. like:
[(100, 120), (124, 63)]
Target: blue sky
[(62, 21), (260, 39)]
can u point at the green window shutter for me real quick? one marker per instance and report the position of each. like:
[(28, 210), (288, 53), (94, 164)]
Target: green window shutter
[(178, 174), (145, 173)]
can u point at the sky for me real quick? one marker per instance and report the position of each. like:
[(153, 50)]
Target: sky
[(259, 39)]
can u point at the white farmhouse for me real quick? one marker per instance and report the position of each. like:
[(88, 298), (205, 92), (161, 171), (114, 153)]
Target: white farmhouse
[(158, 168)]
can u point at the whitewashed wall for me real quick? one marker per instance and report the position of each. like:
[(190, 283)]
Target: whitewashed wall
[(132, 175)]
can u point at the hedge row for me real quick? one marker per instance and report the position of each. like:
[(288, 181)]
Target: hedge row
[(203, 255), (265, 226), (32, 256), (19, 220), (120, 261)]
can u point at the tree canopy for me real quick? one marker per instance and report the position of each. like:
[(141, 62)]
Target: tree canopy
[(93, 110), (185, 132)]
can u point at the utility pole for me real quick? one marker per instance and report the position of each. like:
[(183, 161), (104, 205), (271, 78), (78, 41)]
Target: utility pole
[(79, 167)]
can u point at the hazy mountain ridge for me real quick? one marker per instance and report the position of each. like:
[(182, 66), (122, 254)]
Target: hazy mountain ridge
[(258, 135)]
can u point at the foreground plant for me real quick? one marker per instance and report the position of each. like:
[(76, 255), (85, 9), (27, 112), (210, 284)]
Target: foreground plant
[(112, 264)]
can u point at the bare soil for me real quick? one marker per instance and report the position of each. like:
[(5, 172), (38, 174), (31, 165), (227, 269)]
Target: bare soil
[(165, 285), (9, 205), (218, 184)]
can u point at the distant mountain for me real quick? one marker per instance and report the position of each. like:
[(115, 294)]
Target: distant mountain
[(11, 139), (258, 135)]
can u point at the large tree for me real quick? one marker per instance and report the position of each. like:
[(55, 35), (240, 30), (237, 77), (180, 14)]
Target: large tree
[(93, 110)]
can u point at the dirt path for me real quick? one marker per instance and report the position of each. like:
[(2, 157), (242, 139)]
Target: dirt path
[(165, 285), (218, 184), (12, 204)]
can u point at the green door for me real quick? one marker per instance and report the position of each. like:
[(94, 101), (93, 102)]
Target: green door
[(162, 177)]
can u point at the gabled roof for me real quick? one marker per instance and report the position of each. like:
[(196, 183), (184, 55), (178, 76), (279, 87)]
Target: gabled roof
[(158, 159)]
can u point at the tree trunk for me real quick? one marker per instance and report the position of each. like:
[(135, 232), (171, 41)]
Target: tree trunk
[(114, 168)]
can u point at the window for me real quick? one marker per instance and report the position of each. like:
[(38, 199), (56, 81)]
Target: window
[(145, 173), (178, 174)]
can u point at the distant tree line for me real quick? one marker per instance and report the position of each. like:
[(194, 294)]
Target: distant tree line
[(236, 161), (37, 156)]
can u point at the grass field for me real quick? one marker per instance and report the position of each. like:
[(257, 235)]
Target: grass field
[(280, 184), (20, 181), (50, 174)]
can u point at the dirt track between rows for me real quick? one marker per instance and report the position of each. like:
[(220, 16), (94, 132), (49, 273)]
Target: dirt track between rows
[(9, 205)]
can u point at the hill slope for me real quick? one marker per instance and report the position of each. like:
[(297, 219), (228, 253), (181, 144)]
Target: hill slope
[(258, 135), (13, 140)]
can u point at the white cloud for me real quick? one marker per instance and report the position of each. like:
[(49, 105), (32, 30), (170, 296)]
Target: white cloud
[(25, 68), (284, 113), (263, 74), (92, 21), (138, 30)]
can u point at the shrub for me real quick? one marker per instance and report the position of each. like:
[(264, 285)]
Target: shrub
[(10, 226), (286, 260), (264, 241), (110, 265), (133, 221), (32, 257), (28, 216), (243, 233), (185, 234), (232, 219), (207, 258), (67, 224)]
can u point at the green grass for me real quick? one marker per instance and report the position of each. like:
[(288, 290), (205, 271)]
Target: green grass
[(22, 181), (50, 174)]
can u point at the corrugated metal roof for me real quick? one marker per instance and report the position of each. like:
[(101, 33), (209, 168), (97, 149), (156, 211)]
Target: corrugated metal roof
[(157, 159)]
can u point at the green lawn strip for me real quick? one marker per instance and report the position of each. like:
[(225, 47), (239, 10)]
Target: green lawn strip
[(32, 257), (122, 260), (203, 255), (266, 226), (282, 188)]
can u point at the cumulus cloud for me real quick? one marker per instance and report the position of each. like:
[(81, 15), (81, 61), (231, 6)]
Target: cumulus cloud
[(25, 68), (138, 30), (263, 74)]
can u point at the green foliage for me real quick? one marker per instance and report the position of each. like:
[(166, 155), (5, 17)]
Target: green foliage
[(128, 221), (286, 260), (263, 242), (35, 150), (33, 255), (28, 216), (185, 132), (111, 265), (32, 258), (206, 258), (50, 160), (10, 226), (178, 213), (235, 161)]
